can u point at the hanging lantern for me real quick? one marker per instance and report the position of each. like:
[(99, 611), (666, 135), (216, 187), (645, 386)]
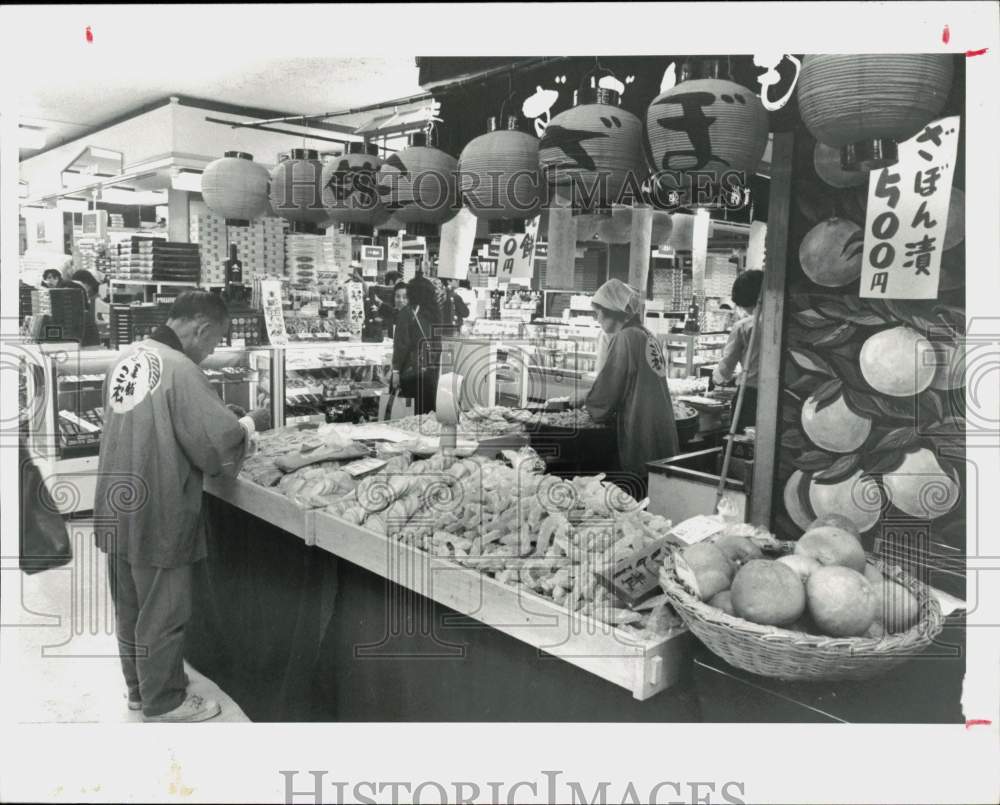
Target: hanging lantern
[(236, 188), (591, 155), (350, 189), (500, 177), (708, 126), (295, 190), (417, 185), (865, 104)]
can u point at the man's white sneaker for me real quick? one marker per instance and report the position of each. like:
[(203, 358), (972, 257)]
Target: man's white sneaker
[(193, 708)]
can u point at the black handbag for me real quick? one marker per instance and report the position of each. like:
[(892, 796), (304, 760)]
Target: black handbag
[(44, 542)]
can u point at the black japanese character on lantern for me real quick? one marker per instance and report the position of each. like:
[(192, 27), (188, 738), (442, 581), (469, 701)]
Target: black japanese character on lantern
[(693, 122)]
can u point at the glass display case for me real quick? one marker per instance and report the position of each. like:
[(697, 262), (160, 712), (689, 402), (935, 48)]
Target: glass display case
[(689, 354), (327, 381), (63, 416), (565, 345)]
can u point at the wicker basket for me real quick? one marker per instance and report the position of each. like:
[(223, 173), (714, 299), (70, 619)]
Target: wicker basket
[(785, 654)]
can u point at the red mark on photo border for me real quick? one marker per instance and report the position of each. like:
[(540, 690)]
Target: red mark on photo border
[(946, 35), (977, 722), (976, 52), (89, 34)]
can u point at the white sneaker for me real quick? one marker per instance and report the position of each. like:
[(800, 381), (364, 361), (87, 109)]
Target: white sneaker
[(193, 708)]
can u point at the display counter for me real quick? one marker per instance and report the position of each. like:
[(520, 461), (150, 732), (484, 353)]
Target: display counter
[(294, 632)]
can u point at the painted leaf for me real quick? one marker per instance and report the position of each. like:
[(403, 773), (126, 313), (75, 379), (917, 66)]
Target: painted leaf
[(834, 310), (803, 491), (896, 408), (948, 426), (814, 460), (846, 368), (827, 393), (930, 403), (810, 361), (811, 318), (879, 463), (803, 385), (862, 403), (839, 335), (842, 468), (793, 440), (897, 439)]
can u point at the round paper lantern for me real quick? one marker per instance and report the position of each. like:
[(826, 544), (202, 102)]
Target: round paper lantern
[(826, 160), (501, 182), (591, 153), (708, 125), (418, 185), (865, 104), (236, 187), (350, 189), (296, 188)]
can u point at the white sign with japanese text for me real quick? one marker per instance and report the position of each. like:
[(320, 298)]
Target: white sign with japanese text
[(394, 249), (517, 254), (274, 315), (907, 216)]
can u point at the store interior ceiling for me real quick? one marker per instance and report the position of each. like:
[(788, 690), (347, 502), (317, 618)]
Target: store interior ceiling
[(56, 111)]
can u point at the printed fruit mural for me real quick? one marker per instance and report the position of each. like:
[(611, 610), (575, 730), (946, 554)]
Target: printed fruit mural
[(872, 431)]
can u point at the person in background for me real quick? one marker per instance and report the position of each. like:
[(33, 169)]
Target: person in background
[(631, 388), (468, 296), (399, 295), (742, 348), (52, 278), (89, 286), (415, 346), (454, 303), (165, 429)]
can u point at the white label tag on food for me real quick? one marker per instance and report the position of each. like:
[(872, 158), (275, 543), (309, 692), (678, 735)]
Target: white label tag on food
[(363, 466), (697, 529)]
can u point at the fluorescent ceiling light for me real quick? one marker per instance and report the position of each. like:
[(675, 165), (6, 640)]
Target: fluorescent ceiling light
[(30, 138), (186, 180)]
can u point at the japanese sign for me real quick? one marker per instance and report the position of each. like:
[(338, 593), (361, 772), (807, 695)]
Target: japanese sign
[(355, 298), (274, 316), (517, 254), (372, 253), (908, 214), (133, 380), (341, 254)]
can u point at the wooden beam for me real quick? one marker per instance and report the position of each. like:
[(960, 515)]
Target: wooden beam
[(772, 331)]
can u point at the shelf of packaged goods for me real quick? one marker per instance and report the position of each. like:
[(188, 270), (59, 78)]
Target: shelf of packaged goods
[(643, 667), (155, 283)]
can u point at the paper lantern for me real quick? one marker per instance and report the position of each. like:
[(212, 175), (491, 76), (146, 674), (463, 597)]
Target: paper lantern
[(236, 187), (592, 154), (865, 104), (296, 188), (417, 186), (501, 181), (350, 189), (709, 126)]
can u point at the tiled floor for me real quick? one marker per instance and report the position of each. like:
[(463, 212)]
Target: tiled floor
[(58, 651)]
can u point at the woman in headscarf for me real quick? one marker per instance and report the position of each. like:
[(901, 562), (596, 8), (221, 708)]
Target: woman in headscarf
[(415, 346), (631, 387)]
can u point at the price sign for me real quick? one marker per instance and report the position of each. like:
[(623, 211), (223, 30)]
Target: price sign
[(372, 253), (908, 214), (274, 315)]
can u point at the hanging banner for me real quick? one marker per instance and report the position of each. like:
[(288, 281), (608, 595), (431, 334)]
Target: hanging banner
[(274, 316), (394, 249), (517, 254), (908, 214)]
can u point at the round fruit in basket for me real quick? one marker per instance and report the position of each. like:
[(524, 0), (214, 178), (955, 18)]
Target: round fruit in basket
[(713, 572), (723, 601), (841, 601), (829, 545), (738, 550), (836, 520), (803, 565), (768, 592), (897, 608)]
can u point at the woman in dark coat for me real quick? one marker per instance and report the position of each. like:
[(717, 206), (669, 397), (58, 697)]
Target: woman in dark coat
[(416, 346)]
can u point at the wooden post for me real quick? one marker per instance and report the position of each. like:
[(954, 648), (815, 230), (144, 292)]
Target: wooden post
[(561, 266), (640, 247), (772, 324)]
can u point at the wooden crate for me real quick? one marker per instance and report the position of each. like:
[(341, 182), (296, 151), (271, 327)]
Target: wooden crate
[(642, 667), (260, 501)]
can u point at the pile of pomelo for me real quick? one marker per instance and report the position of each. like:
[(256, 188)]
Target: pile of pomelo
[(826, 587)]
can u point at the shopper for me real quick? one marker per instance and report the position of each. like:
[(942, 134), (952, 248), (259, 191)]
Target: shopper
[(742, 348), (89, 286), (52, 278), (631, 389), (456, 309), (165, 428), (468, 297), (415, 347)]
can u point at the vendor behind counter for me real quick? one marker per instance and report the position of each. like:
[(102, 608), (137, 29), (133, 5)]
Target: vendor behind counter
[(631, 387)]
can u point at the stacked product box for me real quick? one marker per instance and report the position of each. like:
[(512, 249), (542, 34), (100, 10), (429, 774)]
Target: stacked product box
[(169, 261), (259, 246), (310, 262)]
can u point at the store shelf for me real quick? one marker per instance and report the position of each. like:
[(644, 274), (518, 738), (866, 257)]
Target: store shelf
[(156, 283)]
